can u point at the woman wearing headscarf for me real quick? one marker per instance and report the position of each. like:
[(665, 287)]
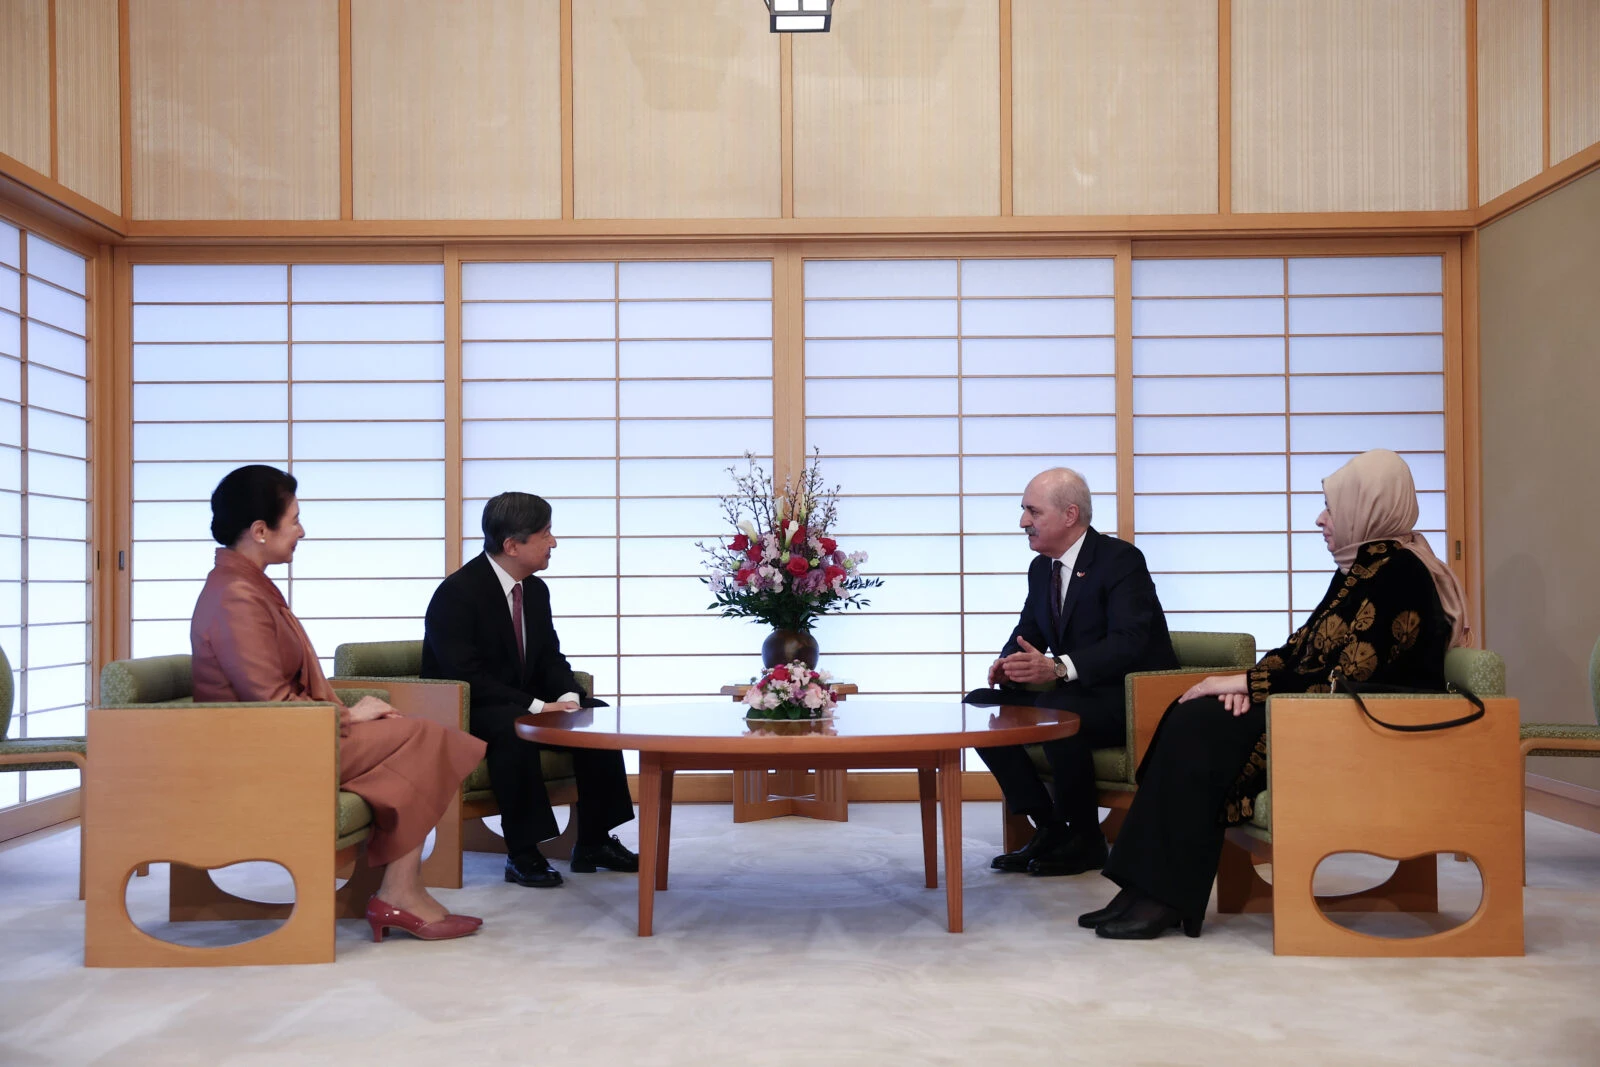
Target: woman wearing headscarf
[(1391, 611), (247, 645)]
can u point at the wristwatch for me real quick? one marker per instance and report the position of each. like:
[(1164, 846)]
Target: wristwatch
[(1061, 669)]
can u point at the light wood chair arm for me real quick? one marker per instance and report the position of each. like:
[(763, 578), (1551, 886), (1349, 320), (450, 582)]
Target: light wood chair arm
[(443, 702), (1149, 697)]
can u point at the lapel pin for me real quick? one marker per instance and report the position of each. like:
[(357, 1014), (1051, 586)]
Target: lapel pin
[(1082, 574)]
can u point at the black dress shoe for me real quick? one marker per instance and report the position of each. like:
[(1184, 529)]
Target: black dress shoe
[(1144, 920), (532, 869), (1119, 905), (610, 854), (1077, 855), (1045, 838)]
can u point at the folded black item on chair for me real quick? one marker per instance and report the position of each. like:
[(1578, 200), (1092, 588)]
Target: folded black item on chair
[(1347, 685)]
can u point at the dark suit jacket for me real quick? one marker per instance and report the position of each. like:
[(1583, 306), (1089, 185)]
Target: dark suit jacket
[(468, 637), (1111, 621)]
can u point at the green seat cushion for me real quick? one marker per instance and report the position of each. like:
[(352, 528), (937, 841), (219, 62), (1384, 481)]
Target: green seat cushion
[(34, 746), (7, 693), (354, 820), (555, 766), (1262, 816), (1110, 764), (1554, 732), (351, 695), (1477, 669), (1200, 648)]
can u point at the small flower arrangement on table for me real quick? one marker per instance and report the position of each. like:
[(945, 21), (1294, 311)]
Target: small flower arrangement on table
[(790, 691), (782, 567)]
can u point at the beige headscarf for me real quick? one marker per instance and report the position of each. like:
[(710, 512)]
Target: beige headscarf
[(1372, 498)]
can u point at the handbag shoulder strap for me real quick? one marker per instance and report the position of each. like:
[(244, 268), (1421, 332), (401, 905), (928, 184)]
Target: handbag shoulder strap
[(1349, 686)]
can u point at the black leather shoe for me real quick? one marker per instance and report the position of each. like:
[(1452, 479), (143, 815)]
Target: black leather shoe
[(610, 854), (1119, 905), (1144, 920), (1045, 838), (532, 869), (1075, 856)]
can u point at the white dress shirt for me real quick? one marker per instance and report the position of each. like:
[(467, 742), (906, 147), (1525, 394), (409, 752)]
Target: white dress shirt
[(1069, 559), (508, 583)]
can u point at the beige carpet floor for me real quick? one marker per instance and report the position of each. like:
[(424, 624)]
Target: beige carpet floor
[(797, 942)]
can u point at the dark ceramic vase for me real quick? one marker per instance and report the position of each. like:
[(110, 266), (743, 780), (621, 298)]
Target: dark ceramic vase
[(786, 646)]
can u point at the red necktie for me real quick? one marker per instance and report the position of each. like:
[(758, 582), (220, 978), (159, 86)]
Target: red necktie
[(516, 624)]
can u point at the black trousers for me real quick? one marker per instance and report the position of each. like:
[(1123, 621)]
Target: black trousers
[(517, 779), (1071, 759), (1170, 842)]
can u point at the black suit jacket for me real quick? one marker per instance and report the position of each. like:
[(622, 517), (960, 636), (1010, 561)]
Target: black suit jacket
[(1111, 620), (468, 637)]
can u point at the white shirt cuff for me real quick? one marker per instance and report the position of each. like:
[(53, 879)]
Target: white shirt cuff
[(1072, 672)]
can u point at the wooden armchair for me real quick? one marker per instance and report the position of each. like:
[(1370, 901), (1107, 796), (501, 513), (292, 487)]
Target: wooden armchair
[(385, 662), (37, 753), (1147, 694), (1339, 783), (203, 786)]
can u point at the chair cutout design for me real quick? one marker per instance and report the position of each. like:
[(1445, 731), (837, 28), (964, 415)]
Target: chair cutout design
[(37, 753), (204, 786), (385, 662), (1339, 783), (1147, 695)]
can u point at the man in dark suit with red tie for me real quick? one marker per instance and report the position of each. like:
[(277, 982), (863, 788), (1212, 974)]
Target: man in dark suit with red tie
[(1091, 617), (489, 625)]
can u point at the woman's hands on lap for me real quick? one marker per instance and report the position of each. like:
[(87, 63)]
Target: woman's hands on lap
[(369, 708), (1232, 689)]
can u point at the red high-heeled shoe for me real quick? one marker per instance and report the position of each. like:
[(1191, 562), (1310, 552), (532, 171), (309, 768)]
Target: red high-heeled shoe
[(383, 917)]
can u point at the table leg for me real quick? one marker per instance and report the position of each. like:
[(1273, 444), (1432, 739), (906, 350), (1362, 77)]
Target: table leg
[(950, 801), (649, 835), (927, 793), (664, 841)]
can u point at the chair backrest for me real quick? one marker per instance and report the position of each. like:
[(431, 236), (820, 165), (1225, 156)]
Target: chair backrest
[(1477, 669), (7, 694), (152, 680), (1196, 648), (378, 659)]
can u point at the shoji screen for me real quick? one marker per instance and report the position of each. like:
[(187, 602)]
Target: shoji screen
[(44, 490), (622, 392), (935, 389), (1253, 380), (335, 372)]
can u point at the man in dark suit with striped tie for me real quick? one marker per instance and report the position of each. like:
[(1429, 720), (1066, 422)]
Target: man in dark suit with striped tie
[(1091, 617)]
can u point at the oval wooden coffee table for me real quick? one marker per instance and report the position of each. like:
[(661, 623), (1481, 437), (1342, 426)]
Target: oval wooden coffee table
[(926, 736)]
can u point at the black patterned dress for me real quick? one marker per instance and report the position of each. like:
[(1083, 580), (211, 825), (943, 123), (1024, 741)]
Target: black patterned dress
[(1381, 624)]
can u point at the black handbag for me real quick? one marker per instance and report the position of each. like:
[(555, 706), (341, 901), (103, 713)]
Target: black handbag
[(1339, 679)]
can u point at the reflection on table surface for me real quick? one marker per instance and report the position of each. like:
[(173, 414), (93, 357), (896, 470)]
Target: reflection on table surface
[(859, 718)]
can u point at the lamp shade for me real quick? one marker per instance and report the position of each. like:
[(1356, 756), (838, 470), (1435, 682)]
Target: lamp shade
[(800, 16)]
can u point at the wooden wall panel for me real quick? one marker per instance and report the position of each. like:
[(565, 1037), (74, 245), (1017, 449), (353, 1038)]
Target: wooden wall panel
[(1349, 105), (1114, 106), (897, 111), (25, 82), (1574, 77), (675, 111), (88, 100), (235, 109), (1510, 94), (456, 109)]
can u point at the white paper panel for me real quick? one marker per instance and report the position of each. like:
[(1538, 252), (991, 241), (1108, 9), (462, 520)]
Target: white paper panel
[(56, 687), (686, 675), (222, 402), (888, 437), (517, 439), (1307, 471), (1080, 317), (1210, 435), (1344, 433), (46, 303), (532, 399), (330, 283), (48, 432), (1209, 474), (1365, 355), (10, 290), (696, 359), (49, 646), (696, 279), (317, 558), (210, 322), (1269, 628), (368, 440), (1215, 552), (1374, 393), (374, 597), (1208, 355), (697, 318), (1366, 314), (1223, 592), (705, 399), (538, 359), (371, 400), (880, 318), (58, 602), (854, 359), (700, 477), (928, 474), (890, 633), (573, 597), (63, 351), (210, 363), (891, 515), (879, 673), (10, 239), (999, 435), (1223, 513), (881, 278), (691, 516), (183, 481), (913, 556), (1037, 396), (10, 335), (663, 596), (893, 396), (1367, 274), (536, 322), (50, 261), (1207, 277), (154, 599), (700, 437), (1037, 277), (57, 476), (1037, 355), (1208, 396), (378, 479), (186, 283), (369, 362), (570, 517), (359, 520), (1207, 318), (368, 322), (538, 281), (546, 477), (1001, 473), (57, 561)]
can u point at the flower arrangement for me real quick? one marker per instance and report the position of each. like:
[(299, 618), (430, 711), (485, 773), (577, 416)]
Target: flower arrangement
[(790, 691), (782, 567)]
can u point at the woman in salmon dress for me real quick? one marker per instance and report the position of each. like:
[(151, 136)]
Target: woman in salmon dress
[(248, 646)]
